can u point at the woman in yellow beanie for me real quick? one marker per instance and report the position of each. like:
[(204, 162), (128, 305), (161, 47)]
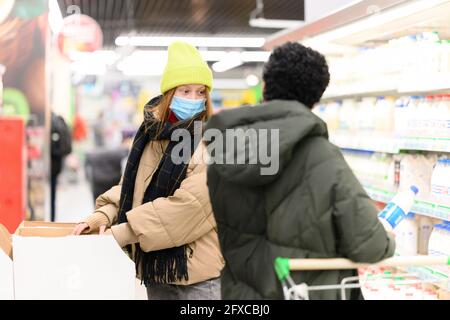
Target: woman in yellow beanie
[(160, 211)]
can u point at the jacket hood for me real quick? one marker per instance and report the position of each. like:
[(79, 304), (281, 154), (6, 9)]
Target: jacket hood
[(290, 120)]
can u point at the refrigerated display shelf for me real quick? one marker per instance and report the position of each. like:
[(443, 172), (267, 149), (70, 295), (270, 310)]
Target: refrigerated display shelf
[(388, 144), (359, 94), (375, 143), (425, 144), (425, 85), (429, 273), (422, 207)]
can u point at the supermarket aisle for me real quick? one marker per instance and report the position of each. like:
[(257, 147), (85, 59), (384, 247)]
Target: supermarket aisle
[(74, 200)]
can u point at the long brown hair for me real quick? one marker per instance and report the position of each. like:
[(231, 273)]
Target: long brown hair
[(162, 110)]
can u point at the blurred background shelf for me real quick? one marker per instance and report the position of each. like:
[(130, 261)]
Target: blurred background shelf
[(422, 207), (388, 143)]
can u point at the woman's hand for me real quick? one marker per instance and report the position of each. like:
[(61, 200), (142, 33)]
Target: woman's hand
[(83, 226), (80, 228), (102, 230)]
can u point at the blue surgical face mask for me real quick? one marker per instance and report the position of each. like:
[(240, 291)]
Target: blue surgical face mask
[(187, 108)]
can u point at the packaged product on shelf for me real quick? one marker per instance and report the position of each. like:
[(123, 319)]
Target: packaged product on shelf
[(417, 169), (333, 115), (400, 116), (443, 294), (439, 244), (370, 167), (319, 110), (434, 116), (411, 117), (366, 114), (425, 229), (330, 114), (380, 169), (422, 117), (445, 56), (399, 238), (384, 114), (440, 181), (347, 119), (398, 208), (410, 230), (394, 178), (442, 117)]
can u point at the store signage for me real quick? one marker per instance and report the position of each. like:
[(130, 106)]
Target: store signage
[(80, 33)]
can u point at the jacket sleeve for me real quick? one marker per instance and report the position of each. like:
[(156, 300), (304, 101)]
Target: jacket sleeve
[(176, 220), (108, 203), (362, 237)]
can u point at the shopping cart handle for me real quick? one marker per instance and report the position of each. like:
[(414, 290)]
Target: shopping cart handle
[(284, 265)]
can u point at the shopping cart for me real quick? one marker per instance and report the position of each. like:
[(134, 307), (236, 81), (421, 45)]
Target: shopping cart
[(292, 291)]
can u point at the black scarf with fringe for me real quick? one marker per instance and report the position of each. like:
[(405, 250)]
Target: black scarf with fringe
[(167, 265)]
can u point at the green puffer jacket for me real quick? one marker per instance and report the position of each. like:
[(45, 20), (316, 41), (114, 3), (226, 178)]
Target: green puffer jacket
[(314, 207)]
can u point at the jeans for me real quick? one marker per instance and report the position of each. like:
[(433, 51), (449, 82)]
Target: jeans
[(206, 290)]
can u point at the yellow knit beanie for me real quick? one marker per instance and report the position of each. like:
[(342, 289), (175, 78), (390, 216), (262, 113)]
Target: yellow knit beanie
[(185, 65)]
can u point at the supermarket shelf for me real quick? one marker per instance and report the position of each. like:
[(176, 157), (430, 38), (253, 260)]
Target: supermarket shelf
[(360, 94), (387, 143), (429, 273), (425, 144), (422, 207), (425, 85), (376, 143)]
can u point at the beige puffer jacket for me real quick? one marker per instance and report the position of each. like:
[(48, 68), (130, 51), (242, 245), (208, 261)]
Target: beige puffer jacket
[(184, 218)]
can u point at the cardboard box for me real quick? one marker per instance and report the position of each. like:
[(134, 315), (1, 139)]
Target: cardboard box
[(6, 266), (50, 264)]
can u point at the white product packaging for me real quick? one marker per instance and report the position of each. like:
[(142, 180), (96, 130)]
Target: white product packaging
[(412, 117), (384, 114), (411, 232), (440, 181), (398, 208), (425, 229), (417, 169)]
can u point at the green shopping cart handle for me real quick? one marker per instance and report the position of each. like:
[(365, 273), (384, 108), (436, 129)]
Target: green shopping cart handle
[(283, 266)]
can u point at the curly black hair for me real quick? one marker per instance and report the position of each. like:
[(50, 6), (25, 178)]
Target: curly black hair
[(295, 72)]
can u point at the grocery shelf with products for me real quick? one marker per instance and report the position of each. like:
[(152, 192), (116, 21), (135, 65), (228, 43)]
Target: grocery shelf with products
[(388, 124), (423, 207), (387, 108), (388, 144), (410, 65), (392, 283)]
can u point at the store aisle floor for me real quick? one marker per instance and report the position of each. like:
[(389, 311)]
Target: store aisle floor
[(73, 200)]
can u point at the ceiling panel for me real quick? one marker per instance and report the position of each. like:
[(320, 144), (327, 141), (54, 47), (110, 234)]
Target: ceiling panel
[(183, 17)]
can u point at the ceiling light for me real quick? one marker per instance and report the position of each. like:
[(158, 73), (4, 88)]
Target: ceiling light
[(275, 23), (88, 68), (230, 84), (108, 57), (232, 60), (144, 63), (150, 41), (252, 80), (152, 62), (255, 56)]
